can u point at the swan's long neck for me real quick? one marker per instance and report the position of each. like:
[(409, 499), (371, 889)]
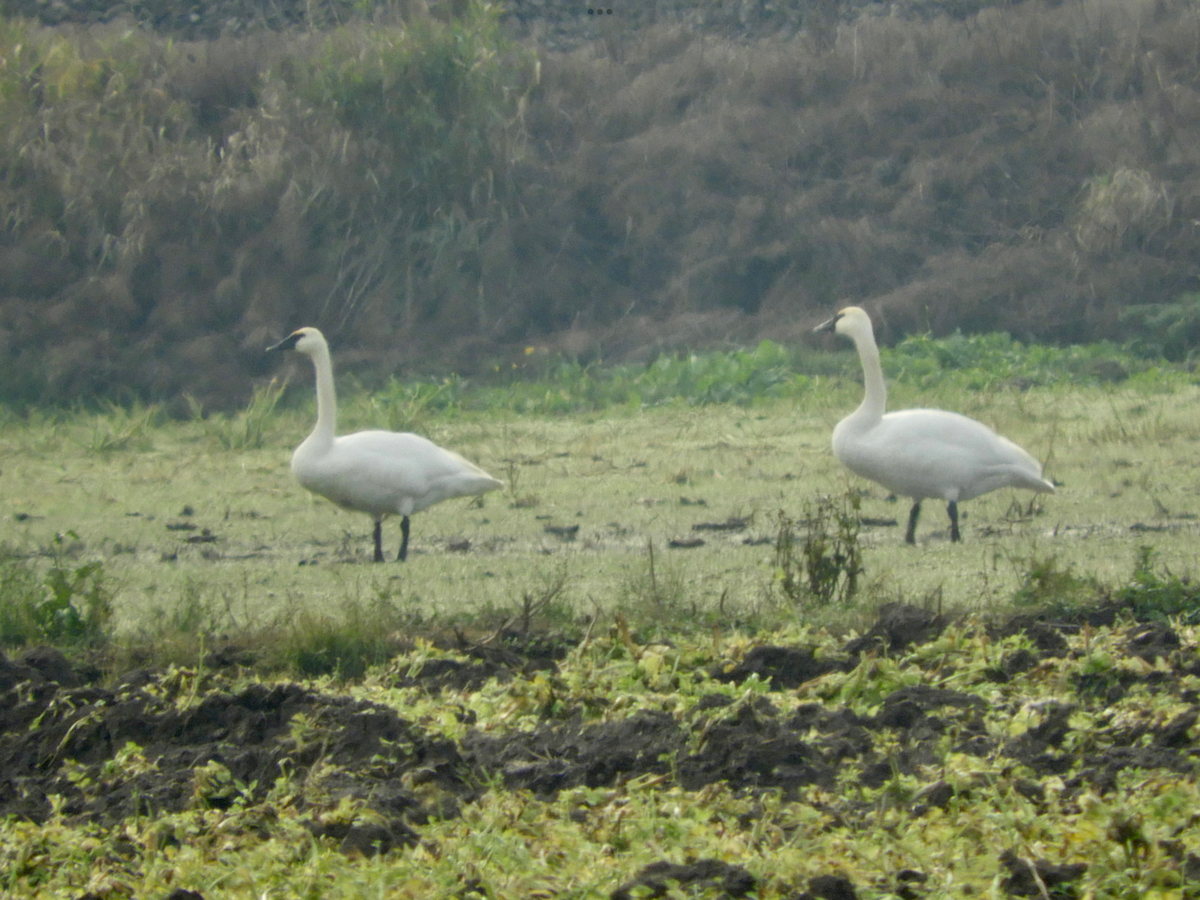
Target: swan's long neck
[(874, 403), (322, 434)]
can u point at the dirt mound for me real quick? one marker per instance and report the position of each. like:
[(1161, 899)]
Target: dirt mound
[(700, 876), (205, 742), (164, 741)]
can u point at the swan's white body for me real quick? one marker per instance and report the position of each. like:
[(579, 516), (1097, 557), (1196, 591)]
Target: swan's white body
[(381, 473), (922, 453)]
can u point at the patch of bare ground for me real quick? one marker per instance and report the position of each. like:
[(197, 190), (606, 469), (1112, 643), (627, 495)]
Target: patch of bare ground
[(216, 738)]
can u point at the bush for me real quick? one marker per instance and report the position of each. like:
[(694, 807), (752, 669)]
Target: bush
[(825, 566), (433, 195), (169, 206)]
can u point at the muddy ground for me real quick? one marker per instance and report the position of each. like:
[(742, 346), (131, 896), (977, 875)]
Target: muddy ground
[(59, 726)]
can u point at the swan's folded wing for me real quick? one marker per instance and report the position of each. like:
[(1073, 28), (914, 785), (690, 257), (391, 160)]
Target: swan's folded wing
[(387, 472), (931, 453)]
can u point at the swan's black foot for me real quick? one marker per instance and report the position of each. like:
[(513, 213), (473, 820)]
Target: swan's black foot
[(403, 540), (910, 536), (952, 509), (378, 542)]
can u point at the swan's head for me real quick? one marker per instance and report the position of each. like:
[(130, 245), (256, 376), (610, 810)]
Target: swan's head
[(308, 341), (853, 322)]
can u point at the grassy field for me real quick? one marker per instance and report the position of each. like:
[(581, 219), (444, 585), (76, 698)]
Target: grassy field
[(662, 730), (187, 525)]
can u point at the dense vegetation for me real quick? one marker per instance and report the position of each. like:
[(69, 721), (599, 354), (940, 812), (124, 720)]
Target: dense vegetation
[(682, 654), (439, 197), (679, 655)]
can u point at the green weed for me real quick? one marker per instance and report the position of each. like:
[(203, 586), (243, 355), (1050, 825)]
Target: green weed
[(1154, 592), (1167, 330), (69, 605), (982, 362), (655, 589), (21, 591), (741, 377), (825, 566), (978, 364), (402, 406), (188, 624), (1046, 585)]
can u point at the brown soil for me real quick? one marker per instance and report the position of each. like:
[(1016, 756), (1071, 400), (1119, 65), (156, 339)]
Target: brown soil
[(56, 717)]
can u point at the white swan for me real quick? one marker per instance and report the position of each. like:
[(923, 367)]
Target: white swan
[(922, 453), (381, 473)]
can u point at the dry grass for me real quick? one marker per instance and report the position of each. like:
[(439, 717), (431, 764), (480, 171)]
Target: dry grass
[(135, 490), (435, 197)]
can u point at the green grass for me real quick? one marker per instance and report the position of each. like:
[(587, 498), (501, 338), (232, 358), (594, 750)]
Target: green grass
[(246, 430), (201, 530), (105, 531), (961, 372)]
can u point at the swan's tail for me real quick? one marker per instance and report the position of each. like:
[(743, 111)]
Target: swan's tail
[(1034, 481), (1045, 486), (1026, 469)]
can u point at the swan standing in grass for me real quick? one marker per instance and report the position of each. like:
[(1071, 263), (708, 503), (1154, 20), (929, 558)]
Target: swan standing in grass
[(381, 473), (922, 453)]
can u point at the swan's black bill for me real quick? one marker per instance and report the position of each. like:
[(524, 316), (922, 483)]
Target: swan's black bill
[(827, 326), (288, 343)]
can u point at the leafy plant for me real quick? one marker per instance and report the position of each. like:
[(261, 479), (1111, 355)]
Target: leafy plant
[(743, 377), (402, 406), (215, 787), (988, 361), (1170, 330), (825, 567), (20, 593), (69, 605), (1153, 592)]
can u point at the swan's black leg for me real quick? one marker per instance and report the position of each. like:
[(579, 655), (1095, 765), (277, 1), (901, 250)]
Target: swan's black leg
[(378, 540), (910, 536), (403, 540), (952, 509)]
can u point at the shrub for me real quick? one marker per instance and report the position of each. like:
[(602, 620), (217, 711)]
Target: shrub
[(425, 189), (825, 566)]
